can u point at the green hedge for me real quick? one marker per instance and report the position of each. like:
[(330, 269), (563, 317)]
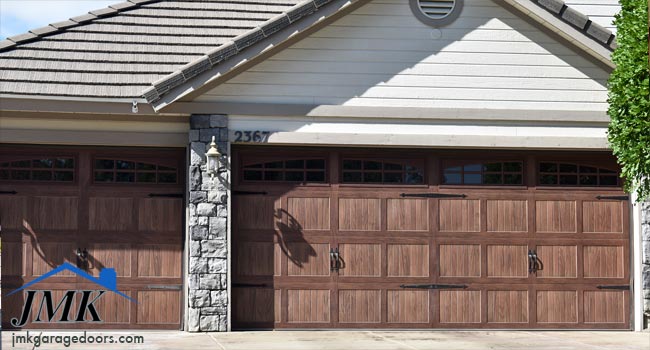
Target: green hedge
[(629, 100)]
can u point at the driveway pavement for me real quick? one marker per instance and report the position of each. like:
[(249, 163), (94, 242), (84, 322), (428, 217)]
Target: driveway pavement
[(352, 340)]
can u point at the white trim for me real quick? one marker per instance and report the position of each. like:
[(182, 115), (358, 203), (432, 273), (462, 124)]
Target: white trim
[(229, 242), (637, 264)]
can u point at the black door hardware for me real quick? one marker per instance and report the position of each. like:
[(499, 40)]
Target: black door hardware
[(8, 192), (433, 195), (248, 193), (251, 285), (614, 287), (434, 286), (166, 195), (335, 259), (82, 258), (165, 286), (618, 198), (534, 264)]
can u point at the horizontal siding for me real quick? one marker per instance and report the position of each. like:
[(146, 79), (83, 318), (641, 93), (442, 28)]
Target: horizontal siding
[(599, 11), (381, 55)]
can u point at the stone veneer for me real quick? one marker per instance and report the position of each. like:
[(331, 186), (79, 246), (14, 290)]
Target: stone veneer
[(645, 233), (208, 226)]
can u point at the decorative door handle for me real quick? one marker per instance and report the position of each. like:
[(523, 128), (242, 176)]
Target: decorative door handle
[(82, 254)]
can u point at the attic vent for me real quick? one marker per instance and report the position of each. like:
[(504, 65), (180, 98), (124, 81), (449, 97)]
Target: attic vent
[(437, 9), (436, 12)]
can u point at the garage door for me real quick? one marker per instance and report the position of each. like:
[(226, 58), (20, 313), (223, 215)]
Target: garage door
[(94, 208), (415, 239)]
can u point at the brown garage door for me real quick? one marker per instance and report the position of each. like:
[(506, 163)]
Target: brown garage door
[(121, 208), (341, 238)]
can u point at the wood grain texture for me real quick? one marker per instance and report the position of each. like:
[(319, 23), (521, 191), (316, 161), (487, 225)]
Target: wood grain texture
[(310, 213), (359, 214), (603, 262), (254, 305), (460, 260), (254, 212), (159, 260), (408, 306), (408, 260), (359, 306), (55, 213), (309, 259), (47, 256), (604, 306), (460, 215), (507, 261), (256, 259), (459, 306), (361, 259), (507, 306), (151, 312), (407, 214), (507, 216), (13, 258), (114, 308), (308, 306), (158, 214), (110, 214), (116, 256), (555, 216), (12, 211), (557, 306), (602, 217), (558, 261)]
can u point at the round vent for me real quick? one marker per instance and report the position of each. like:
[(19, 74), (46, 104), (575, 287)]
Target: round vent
[(436, 12), (436, 9)]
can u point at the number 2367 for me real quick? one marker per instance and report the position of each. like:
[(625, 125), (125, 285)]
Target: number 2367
[(251, 136)]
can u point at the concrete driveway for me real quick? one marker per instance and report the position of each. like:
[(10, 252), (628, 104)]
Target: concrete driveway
[(356, 340)]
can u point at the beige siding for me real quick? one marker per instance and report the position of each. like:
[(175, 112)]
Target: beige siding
[(381, 55), (599, 11)]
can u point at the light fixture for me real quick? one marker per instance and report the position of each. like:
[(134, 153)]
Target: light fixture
[(212, 156)]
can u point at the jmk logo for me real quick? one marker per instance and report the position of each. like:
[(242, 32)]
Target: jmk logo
[(63, 311)]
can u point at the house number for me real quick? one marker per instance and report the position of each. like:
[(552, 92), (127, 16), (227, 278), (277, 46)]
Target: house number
[(251, 136)]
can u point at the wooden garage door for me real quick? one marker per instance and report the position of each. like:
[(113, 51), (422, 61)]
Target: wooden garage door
[(429, 241), (122, 208)]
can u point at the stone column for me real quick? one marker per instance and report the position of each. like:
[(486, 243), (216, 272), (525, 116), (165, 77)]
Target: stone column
[(645, 233), (207, 241)]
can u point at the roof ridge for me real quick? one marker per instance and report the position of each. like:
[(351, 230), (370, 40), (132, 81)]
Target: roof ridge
[(580, 21), (58, 27), (231, 48)]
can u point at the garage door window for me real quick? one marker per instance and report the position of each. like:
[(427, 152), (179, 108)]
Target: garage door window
[(383, 171), (482, 173), (291, 170), (60, 169), (574, 174), (131, 171)]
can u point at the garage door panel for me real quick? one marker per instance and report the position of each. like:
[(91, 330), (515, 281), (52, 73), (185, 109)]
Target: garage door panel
[(308, 306), (460, 260), (604, 262), (160, 214), (257, 259), (605, 306), (159, 260), (255, 212), (460, 306), (558, 261), (111, 214), (407, 214), (359, 214), (408, 306), (555, 216), (150, 310), (602, 217), (116, 256), (113, 308), (507, 215), (308, 259), (359, 306), (13, 258), (48, 255), (255, 305), (460, 215), (361, 260), (408, 260), (309, 213), (507, 261), (507, 306), (12, 211), (557, 306), (54, 213)]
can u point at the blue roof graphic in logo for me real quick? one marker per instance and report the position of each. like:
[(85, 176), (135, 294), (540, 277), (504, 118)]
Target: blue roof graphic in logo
[(107, 278)]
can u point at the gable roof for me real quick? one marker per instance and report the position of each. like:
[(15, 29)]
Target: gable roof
[(145, 49)]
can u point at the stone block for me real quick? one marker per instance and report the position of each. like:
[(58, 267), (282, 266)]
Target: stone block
[(216, 196), (218, 227), (195, 248), (214, 249), (222, 211), (198, 265), (198, 196), (199, 121), (223, 135), (197, 153), (195, 178), (212, 323), (206, 209), (210, 282), (199, 298), (214, 310), (199, 233), (218, 121), (574, 17), (646, 252), (219, 298), (205, 135), (193, 281), (554, 6), (193, 135), (193, 318), (599, 32), (646, 276), (217, 265), (203, 220)]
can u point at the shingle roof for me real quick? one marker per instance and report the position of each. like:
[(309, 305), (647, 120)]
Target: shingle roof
[(118, 52), (145, 48)]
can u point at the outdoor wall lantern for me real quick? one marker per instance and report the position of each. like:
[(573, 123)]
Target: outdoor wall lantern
[(212, 156)]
